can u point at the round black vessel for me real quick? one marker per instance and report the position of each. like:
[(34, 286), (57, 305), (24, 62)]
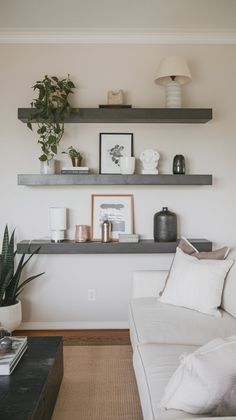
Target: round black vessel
[(165, 226), (179, 165)]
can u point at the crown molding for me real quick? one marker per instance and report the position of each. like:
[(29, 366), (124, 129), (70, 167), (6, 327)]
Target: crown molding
[(91, 37)]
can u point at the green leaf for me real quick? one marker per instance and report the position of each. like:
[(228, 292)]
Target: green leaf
[(54, 149), (29, 125), (43, 158)]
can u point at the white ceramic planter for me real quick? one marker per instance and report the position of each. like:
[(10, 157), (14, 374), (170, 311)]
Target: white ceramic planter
[(11, 316)]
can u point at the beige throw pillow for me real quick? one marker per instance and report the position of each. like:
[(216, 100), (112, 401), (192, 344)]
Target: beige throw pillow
[(188, 248)]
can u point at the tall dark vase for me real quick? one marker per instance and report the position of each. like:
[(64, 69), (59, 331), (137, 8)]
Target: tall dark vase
[(179, 165), (165, 226)]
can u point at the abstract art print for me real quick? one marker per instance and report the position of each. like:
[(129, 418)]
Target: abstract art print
[(117, 209), (112, 146)]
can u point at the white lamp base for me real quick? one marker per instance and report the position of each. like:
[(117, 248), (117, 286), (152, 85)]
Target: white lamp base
[(57, 235), (173, 95)]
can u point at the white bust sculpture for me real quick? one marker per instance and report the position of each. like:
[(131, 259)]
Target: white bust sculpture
[(149, 159)]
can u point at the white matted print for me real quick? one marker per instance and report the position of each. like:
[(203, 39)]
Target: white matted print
[(112, 146), (118, 209)]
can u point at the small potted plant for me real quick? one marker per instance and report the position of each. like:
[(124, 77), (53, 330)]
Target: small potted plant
[(10, 283), (75, 155), (49, 111)]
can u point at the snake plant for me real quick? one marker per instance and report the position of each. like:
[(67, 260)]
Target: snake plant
[(10, 275)]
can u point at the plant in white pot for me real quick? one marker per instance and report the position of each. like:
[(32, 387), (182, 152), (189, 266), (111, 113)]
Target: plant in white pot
[(49, 111), (10, 283)]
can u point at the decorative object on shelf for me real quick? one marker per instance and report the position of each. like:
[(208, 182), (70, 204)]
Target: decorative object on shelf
[(129, 238), (179, 165), (117, 209), (10, 282), (75, 155), (106, 228), (149, 159), (47, 167), (112, 146), (82, 233), (173, 72), (57, 223), (115, 97), (127, 165), (165, 226), (75, 170), (49, 111)]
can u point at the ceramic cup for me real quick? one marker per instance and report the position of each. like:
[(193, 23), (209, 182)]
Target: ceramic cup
[(127, 165)]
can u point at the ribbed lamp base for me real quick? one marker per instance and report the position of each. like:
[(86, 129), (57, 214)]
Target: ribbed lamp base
[(173, 95)]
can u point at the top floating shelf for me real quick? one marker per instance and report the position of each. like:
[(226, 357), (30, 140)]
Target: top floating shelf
[(131, 115)]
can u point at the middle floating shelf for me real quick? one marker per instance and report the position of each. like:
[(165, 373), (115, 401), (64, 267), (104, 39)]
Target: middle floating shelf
[(97, 179)]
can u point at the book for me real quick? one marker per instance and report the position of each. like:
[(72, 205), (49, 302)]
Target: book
[(73, 171), (128, 237), (75, 168), (115, 106), (10, 358)]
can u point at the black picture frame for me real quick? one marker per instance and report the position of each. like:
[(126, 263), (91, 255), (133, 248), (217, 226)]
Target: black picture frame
[(111, 146)]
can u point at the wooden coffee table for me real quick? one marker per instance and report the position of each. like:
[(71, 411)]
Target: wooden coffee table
[(30, 392)]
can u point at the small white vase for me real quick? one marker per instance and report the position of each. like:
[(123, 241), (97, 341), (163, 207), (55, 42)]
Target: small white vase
[(11, 316), (127, 165), (47, 167)]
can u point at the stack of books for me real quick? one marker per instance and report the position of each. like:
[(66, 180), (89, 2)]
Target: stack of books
[(75, 170), (128, 237), (10, 357)]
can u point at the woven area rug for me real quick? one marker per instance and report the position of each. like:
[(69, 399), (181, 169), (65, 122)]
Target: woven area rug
[(98, 384)]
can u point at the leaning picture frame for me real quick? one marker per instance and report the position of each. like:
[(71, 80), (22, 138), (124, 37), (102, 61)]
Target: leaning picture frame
[(112, 146), (117, 209)]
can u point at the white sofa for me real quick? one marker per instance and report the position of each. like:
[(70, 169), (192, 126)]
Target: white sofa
[(160, 333)]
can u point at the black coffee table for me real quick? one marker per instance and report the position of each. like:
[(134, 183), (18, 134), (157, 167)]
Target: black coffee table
[(30, 392)]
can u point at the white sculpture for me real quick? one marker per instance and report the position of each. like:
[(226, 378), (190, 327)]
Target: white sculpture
[(149, 159)]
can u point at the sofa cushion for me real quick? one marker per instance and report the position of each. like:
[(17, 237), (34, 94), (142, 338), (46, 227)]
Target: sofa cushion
[(154, 322), (203, 378), (196, 284), (229, 292), (154, 365)]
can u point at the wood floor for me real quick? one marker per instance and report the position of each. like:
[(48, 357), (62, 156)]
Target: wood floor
[(83, 337)]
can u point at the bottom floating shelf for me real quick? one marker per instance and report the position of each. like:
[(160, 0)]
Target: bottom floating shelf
[(145, 246)]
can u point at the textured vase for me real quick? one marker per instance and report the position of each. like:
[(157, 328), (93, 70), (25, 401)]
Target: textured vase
[(165, 226), (47, 167), (11, 316)]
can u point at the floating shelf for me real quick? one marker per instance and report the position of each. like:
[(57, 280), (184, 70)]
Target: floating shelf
[(131, 115), (96, 179), (147, 246)]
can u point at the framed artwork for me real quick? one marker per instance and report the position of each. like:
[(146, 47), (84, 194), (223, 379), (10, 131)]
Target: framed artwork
[(111, 147), (118, 209)]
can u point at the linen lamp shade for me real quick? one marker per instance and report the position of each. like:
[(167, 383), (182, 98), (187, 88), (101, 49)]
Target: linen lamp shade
[(170, 67)]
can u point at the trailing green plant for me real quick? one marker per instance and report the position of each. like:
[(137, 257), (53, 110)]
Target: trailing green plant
[(49, 111), (72, 152), (10, 275)]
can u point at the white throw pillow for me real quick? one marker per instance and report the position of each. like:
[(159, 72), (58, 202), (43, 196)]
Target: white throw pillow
[(203, 378), (196, 284)]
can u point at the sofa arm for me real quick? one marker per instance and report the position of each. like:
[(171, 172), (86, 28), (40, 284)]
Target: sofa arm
[(148, 283)]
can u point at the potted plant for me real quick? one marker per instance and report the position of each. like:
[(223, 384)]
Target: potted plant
[(75, 155), (49, 111), (10, 283)]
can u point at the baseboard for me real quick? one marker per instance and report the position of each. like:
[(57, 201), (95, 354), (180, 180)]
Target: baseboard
[(74, 325)]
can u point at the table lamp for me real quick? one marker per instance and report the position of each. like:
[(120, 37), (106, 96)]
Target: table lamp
[(173, 72), (57, 223)]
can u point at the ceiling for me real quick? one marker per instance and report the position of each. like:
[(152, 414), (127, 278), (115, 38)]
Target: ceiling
[(118, 16)]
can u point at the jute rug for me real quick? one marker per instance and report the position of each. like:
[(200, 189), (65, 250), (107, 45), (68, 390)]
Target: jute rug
[(98, 384)]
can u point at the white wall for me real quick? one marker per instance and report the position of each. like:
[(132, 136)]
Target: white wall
[(59, 299)]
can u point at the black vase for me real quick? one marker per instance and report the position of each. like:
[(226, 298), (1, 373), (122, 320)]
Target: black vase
[(165, 226), (179, 165)]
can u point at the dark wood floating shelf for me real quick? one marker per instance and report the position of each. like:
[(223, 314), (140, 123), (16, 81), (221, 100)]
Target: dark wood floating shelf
[(131, 115), (96, 179), (147, 246)]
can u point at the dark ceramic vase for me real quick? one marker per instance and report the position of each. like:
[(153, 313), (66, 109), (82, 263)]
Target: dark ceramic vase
[(165, 226), (179, 165)]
